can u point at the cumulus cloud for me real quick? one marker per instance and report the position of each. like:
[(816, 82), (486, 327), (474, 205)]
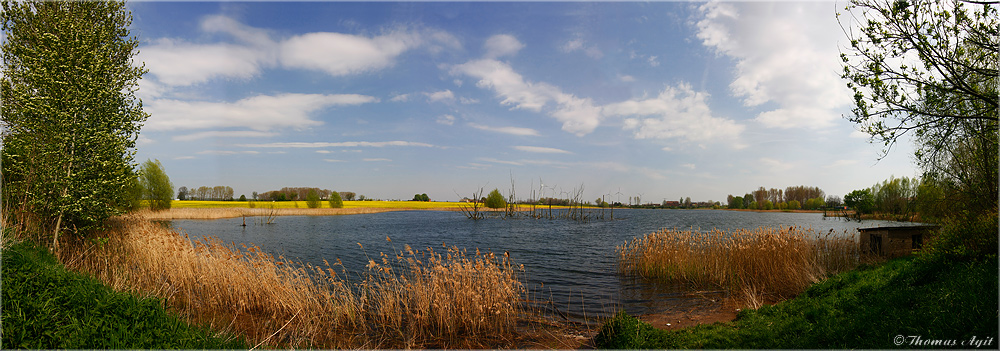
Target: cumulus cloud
[(341, 54), (261, 113), (677, 113), (223, 134), (502, 45), (578, 115), (445, 95), (786, 53), (173, 62), (506, 130)]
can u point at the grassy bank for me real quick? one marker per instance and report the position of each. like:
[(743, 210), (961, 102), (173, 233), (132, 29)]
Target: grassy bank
[(921, 300), (46, 306)]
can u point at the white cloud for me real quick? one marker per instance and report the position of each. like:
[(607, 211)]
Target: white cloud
[(341, 54), (578, 115), (184, 158), (223, 134), (400, 98), (502, 45), (178, 63), (142, 140), (578, 44), (677, 113), (786, 53), (261, 113), (173, 62), (626, 78), (323, 151), (337, 144), (446, 120), (445, 95), (226, 152), (688, 166), (377, 160), (506, 130), (332, 160), (543, 150)]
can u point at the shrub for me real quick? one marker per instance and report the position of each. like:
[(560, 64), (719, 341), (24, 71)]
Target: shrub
[(312, 199), (495, 200), (335, 200)]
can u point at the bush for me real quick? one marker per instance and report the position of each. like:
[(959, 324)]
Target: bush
[(963, 238), (335, 200), (312, 199), (495, 200)]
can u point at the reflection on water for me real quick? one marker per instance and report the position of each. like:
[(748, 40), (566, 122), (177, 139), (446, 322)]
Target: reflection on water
[(572, 264)]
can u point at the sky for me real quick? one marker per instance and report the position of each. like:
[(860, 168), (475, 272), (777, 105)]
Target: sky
[(661, 100)]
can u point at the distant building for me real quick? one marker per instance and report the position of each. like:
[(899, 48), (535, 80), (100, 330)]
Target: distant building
[(891, 242)]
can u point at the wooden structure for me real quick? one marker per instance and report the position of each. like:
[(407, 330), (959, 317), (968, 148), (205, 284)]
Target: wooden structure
[(894, 242)]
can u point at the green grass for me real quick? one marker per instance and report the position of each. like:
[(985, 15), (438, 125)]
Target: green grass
[(864, 308), (46, 306)]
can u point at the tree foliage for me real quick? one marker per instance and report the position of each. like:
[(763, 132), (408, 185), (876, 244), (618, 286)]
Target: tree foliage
[(312, 199), (495, 200), (861, 201), (335, 200), (69, 112), (156, 186), (930, 68)]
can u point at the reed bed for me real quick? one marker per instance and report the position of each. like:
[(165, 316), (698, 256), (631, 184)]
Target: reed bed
[(755, 266), (414, 299)]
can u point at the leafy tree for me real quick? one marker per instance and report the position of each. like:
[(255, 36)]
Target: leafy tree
[(69, 112), (134, 192), (335, 200), (421, 197), (793, 205), (243, 197), (748, 201), (862, 201), (182, 193), (736, 202), (929, 67), (156, 186), (347, 195), (495, 200), (312, 199)]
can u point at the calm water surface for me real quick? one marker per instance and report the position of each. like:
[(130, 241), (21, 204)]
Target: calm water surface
[(571, 263)]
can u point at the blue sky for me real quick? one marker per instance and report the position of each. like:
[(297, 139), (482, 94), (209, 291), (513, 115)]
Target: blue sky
[(663, 100)]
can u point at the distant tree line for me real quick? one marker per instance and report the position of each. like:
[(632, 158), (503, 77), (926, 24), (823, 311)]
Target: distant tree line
[(790, 198), (204, 193)]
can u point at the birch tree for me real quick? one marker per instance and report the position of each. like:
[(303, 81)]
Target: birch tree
[(70, 115)]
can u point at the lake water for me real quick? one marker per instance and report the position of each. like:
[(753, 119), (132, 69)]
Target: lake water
[(571, 263)]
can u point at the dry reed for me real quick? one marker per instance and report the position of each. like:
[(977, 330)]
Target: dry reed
[(419, 299), (756, 266)]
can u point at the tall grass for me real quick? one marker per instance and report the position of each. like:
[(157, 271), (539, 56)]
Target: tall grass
[(412, 299), (756, 266)]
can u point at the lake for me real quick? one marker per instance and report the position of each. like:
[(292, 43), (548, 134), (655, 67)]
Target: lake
[(571, 263)]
